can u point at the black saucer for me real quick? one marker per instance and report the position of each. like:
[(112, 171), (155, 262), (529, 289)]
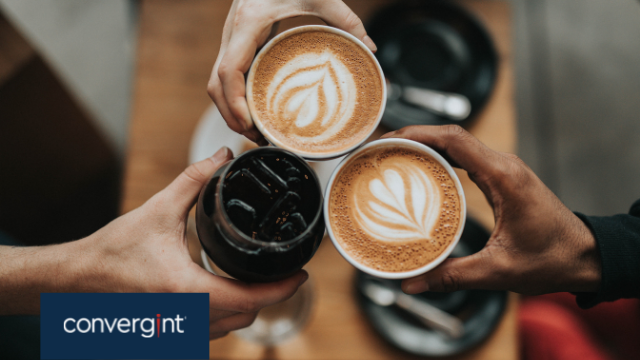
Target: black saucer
[(434, 45), (479, 310)]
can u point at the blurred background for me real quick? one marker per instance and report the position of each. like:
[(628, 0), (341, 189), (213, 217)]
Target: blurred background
[(577, 80), (67, 70)]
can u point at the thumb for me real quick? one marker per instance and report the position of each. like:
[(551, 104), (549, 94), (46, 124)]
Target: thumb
[(469, 272), (184, 190)]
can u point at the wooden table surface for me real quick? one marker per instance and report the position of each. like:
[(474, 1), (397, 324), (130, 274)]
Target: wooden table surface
[(178, 44)]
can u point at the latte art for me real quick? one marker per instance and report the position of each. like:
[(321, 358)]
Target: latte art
[(398, 211), (316, 92), (394, 208)]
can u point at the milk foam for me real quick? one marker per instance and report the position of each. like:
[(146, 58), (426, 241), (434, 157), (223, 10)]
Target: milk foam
[(394, 209), (312, 90), (398, 210)]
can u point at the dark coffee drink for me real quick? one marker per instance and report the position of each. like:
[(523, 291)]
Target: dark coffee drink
[(394, 208), (260, 216)]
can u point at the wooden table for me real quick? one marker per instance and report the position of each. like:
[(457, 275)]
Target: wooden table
[(177, 47)]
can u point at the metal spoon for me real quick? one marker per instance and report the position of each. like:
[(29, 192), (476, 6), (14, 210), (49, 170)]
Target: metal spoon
[(426, 313), (454, 106)]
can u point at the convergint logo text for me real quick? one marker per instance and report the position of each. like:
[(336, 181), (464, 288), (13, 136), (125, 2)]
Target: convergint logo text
[(146, 327), (92, 326)]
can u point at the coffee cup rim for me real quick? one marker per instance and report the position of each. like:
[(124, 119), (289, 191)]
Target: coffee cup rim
[(405, 274), (273, 140)]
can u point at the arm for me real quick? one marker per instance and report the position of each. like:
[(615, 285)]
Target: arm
[(537, 246), (25, 272), (144, 250), (249, 25)]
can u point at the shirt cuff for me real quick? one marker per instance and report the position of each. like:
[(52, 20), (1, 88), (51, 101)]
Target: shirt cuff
[(618, 243)]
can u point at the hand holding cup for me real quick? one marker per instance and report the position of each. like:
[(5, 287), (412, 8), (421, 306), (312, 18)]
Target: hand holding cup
[(249, 25), (538, 245)]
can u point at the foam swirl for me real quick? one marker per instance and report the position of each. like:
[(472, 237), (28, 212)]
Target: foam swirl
[(403, 205), (314, 95)]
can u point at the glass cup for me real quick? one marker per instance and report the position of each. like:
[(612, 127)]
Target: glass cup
[(249, 259), (395, 143), (228, 251), (276, 323)]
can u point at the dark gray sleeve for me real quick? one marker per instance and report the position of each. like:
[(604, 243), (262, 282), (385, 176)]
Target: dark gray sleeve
[(618, 240)]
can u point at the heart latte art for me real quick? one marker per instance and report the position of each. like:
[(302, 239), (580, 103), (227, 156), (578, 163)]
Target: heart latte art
[(394, 209), (316, 92), (391, 210)]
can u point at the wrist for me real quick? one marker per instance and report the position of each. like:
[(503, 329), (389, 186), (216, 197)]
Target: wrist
[(587, 273), (26, 272)]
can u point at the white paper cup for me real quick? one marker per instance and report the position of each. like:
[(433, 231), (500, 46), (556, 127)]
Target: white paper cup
[(394, 143), (309, 155)]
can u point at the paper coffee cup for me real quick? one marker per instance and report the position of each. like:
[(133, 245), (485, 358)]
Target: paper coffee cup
[(396, 144), (339, 86)]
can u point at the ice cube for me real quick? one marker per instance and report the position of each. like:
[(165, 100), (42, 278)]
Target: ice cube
[(298, 221), (291, 170), (294, 184), (246, 174), (242, 215), (277, 215), (294, 226), (287, 232), (269, 174)]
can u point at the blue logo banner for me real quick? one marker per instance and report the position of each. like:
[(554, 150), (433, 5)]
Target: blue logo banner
[(124, 326)]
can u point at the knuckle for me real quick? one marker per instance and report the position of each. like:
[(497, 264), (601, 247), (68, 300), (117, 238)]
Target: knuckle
[(255, 12), (500, 266), (513, 175), (517, 162), (235, 126), (403, 132), (247, 321), (302, 6), (408, 131), (212, 89), (455, 131), (195, 173), (223, 69), (243, 13), (450, 282), (249, 305), (352, 21), (514, 158)]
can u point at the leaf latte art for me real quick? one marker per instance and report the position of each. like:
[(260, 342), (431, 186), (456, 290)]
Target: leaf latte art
[(316, 93), (393, 208)]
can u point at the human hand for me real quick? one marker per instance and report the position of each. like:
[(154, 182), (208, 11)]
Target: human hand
[(537, 246), (248, 26), (146, 250)]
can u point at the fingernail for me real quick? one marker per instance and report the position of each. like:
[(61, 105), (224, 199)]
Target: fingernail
[(304, 279), (370, 44), (389, 134), (220, 155), (415, 287)]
